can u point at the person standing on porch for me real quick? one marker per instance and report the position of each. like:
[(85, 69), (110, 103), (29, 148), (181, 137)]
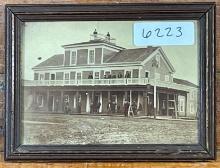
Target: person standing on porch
[(79, 107), (126, 107), (98, 107), (134, 107), (94, 107), (109, 107), (91, 107)]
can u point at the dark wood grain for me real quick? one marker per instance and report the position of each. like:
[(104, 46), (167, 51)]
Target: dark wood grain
[(203, 12), (214, 164)]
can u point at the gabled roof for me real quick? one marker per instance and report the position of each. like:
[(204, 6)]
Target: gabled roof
[(98, 41), (131, 55), (55, 60), (184, 82)]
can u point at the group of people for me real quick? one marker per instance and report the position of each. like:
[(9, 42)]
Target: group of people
[(112, 76), (67, 109), (112, 107), (131, 110), (95, 107)]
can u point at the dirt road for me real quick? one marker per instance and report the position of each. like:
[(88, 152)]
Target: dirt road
[(86, 129)]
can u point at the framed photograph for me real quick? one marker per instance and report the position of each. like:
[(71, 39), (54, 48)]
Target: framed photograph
[(110, 82)]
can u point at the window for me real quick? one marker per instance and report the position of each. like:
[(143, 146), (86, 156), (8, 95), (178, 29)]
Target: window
[(79, 75), (40, 101), (52, 76), (36, 75), (167, 78), (146, 74), (182, 104), (128, 74), (96, 75), (41, 76), (73, 58), (91, 57), (67, 76), (47, 76), (72, 75), (67, 58)]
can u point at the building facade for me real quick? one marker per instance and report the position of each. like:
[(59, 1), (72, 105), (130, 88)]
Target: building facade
[(100, 77)]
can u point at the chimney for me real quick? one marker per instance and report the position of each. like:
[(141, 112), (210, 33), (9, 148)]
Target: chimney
[(95, 34)]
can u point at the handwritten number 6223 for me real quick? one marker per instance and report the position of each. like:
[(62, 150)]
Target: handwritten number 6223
[(168, 32)]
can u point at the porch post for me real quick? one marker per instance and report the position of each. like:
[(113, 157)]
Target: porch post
[(100, 109), (158, 104), (175, 105), (47, 100), (186, 105), (139, 97), (74, 101), (130, 97), (87, 102), (155, 99), (77, 101), (61, 97), (167, 104)]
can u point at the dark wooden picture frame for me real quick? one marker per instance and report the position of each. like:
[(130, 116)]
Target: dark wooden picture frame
[(203, 12)]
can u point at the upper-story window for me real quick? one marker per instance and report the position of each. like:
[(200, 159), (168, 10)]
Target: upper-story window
[(73, 58), (91, 57), (36, 76), (67, 76), (146, 74), (41, 77), (67, 58)]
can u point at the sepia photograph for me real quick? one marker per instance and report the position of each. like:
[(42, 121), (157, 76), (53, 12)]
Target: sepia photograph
[(88, 82)]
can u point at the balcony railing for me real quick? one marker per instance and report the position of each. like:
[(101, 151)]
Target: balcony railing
[(88, 82), (106, 82)]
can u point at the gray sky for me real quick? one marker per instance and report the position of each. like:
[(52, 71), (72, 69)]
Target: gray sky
[(44, 39)]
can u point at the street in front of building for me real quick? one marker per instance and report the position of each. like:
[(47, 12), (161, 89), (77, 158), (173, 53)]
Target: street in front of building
[(92, 129)]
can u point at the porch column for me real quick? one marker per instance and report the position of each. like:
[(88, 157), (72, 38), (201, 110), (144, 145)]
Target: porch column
[(87, 102), (175, 104), (74, 101), (167, 104), (100, 109), (77, 101), (35, 97), (62, 105), (138, 102), (155, 99), (186, 100), (158, 104), (47, 100), (130, 97)]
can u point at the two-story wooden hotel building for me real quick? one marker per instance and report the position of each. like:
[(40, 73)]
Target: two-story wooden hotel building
[(100, 72)]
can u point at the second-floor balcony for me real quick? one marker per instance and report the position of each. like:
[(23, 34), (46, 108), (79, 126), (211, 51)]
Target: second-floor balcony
[(88, 82)]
